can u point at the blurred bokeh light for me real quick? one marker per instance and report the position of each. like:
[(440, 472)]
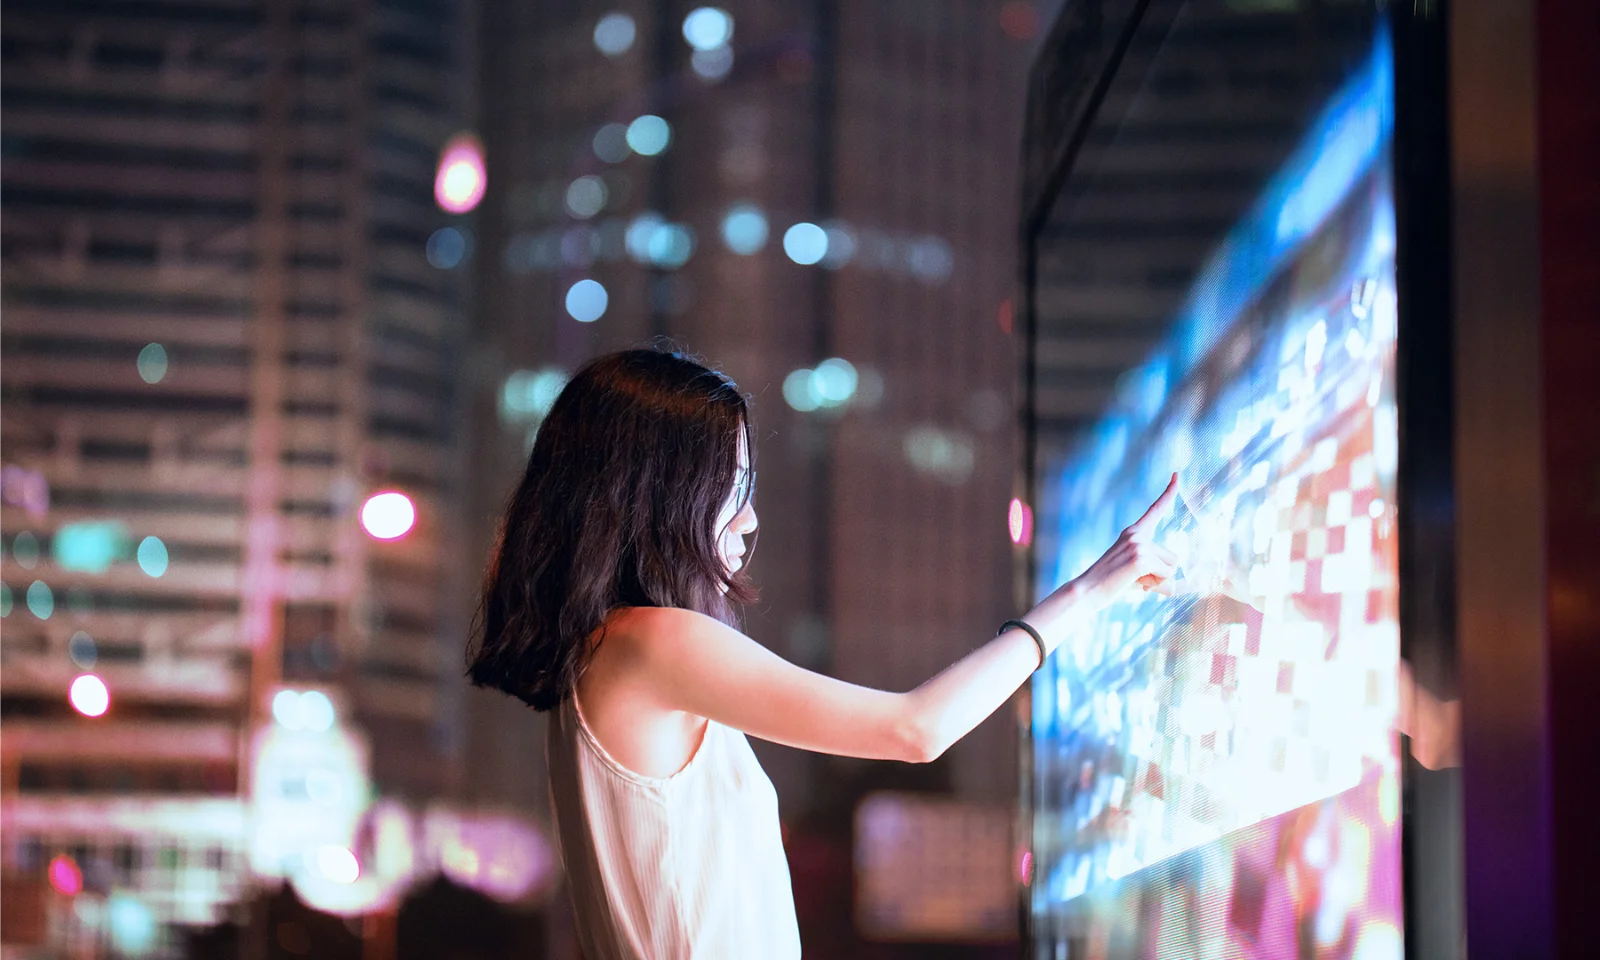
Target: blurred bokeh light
[(338, 864), (744, 229), (586, 301), (152, 363), (89, 696), (707, 28), (460, 183), (65, 876), (805, 243), (1019, 522), (613, 35), (648, 135), (388, 515)]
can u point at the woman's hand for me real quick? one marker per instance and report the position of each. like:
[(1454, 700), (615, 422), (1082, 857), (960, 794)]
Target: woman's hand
[(1434, 725), (1134, 559)]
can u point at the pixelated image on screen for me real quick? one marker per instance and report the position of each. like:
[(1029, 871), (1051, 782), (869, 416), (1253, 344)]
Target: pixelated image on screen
[(1216, 771)]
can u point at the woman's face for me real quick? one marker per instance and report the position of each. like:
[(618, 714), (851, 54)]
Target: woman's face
[(734, 521)]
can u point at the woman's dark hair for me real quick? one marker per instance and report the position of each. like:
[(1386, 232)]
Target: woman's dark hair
[(625, 482)]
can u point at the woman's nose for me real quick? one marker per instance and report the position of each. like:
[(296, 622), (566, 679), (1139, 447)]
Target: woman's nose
[(746, 521)]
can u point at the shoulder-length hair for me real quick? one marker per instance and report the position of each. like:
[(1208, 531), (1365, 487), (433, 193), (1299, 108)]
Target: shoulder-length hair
[(628, 474)]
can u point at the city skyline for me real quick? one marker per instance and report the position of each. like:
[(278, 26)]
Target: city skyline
[(242, 298)]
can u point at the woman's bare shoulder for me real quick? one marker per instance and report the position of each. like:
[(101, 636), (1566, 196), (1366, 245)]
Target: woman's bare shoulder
[(651, 629)]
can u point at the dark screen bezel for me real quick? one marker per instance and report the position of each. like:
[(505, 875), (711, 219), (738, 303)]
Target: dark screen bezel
[(1063, 105)]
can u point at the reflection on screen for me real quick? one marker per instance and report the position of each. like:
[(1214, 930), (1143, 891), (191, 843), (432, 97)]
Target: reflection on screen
[(1216, 772)]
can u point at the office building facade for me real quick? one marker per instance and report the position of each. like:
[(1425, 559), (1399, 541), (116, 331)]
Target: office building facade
[(222, 333)]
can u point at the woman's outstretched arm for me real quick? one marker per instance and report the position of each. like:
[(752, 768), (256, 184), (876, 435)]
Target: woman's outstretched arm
[(686, 661)]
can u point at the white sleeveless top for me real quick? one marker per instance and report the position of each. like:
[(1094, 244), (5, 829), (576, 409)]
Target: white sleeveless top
[(686, 867)]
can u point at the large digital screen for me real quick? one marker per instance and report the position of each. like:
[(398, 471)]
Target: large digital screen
[(1215, 773)]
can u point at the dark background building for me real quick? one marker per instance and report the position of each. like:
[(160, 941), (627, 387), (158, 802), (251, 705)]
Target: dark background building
[(234, 309)]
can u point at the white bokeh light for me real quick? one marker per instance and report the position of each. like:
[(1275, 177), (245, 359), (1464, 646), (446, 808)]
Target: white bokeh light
[(388, 515), (338, 864), (316, 711), (309, 710), (89, 696), (286, 709)]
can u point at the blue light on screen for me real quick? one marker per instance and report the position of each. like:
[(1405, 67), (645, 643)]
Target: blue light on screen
[(1345, 140)]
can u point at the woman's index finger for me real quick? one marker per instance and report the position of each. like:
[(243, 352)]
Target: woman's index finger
[(1159, 509)]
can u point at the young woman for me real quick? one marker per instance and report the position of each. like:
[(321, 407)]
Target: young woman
[(610, 602)]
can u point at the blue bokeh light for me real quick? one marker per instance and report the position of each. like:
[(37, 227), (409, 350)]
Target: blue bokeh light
[(448, 247), (707, 28), (586, 196), (712, 65), (41, 600), (614, 34), (670, 246), (152, 556), (152, 363), (744, 229), (586, 301), (611, 143), (805, 243), (648, 135)]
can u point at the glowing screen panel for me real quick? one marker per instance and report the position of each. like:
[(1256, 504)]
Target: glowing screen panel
[(1215, 772)]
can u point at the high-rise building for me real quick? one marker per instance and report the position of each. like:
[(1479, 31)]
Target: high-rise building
[(926, 128), (231, 314)]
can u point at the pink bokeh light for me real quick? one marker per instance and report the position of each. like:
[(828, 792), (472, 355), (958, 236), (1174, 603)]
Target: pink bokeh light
[(1019, 521), (65, 876), (459, 185)]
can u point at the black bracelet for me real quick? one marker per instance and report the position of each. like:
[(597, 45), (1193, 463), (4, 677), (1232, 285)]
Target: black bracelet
[(1028, 629)]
